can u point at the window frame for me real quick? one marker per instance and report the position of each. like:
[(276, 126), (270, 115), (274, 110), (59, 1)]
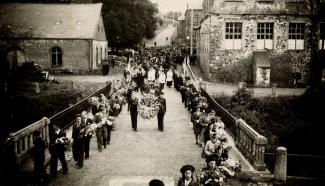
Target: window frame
[(234, 33), (58, 56), (297, 36), (266, 32)]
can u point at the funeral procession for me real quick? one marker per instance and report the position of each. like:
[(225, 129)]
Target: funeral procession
[(162, 92)]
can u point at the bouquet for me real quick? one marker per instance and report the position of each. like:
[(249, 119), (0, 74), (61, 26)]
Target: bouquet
[(148, 106), (62, 141)]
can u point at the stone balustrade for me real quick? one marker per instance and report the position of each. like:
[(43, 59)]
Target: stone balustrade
[(24, 137), (251, 144)]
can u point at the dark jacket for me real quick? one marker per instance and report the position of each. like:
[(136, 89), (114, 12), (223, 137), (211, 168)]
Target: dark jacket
[(38, 149), (56, 147), (162, 106), (181, 182)]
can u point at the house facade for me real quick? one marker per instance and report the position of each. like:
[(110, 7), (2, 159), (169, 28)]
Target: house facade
[(54, 36), (197, 16), (257, 41)]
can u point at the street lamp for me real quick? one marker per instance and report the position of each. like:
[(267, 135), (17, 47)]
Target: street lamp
[(188, 44)]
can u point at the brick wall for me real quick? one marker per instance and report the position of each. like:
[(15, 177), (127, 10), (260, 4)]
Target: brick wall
[(75, 53)]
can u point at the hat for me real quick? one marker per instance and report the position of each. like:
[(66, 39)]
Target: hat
[(210, 158), (161, 93), (187, 167)]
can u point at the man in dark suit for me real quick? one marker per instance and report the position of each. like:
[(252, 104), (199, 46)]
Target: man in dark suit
[(58, 140), (88, 132), (78, 132), (161, 112), (40, 174), (134, 111)]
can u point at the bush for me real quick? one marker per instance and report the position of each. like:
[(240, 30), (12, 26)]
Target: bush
[(30, 71), (290, 121)]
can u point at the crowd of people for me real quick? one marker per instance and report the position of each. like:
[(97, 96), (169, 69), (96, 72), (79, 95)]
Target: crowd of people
[(141, 90)]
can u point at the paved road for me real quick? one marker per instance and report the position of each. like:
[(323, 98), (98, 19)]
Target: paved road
[(133, 158), (138, 156), (160, 38)]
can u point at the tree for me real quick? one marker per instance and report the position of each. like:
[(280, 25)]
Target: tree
[(127, 22), (316, 66)]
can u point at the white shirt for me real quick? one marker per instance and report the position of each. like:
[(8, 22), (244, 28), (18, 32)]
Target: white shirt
[(169, 76), (162, 78), (151, 75), (187, 182)]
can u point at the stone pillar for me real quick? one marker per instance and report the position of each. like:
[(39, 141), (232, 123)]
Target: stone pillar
[(273, 89), (36, 88), (280, 170), (72, 85)]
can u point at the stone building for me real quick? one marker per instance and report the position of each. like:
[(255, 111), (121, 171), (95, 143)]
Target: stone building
[(197, 16), (258, 41), (55, 36)]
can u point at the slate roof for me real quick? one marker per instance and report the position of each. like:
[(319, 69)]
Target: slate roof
[(66, 21)]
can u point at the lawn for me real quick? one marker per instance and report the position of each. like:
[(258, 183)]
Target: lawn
[(26, 106)]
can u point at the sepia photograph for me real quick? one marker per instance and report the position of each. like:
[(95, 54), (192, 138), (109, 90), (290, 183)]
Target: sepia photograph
[(162, 92)]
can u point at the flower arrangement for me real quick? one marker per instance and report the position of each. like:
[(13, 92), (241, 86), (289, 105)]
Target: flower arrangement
[(148, 106)]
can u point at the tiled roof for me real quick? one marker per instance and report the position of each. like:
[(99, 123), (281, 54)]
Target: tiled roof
[(50, 20)]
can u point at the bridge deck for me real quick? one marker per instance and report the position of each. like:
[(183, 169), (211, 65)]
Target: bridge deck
[(133, 158)]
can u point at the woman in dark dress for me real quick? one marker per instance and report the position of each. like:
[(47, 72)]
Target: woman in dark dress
[(187, 178)]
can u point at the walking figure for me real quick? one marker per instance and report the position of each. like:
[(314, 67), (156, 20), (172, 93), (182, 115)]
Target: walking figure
[(161, 112), (58, 140)]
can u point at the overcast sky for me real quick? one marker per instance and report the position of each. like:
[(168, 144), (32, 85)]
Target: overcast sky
[(175, 5)]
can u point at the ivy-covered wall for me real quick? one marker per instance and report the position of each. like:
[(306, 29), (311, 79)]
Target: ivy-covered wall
[(223, 65)]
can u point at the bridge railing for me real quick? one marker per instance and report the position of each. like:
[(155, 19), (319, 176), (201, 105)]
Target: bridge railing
[(64, 119), (24, 137), (249, 142)]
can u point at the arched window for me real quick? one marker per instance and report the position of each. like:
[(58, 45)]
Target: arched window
[(56, 56)]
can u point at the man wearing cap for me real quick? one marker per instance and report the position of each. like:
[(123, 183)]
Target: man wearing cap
[(162, 111), (78, 132), (187, 178)]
